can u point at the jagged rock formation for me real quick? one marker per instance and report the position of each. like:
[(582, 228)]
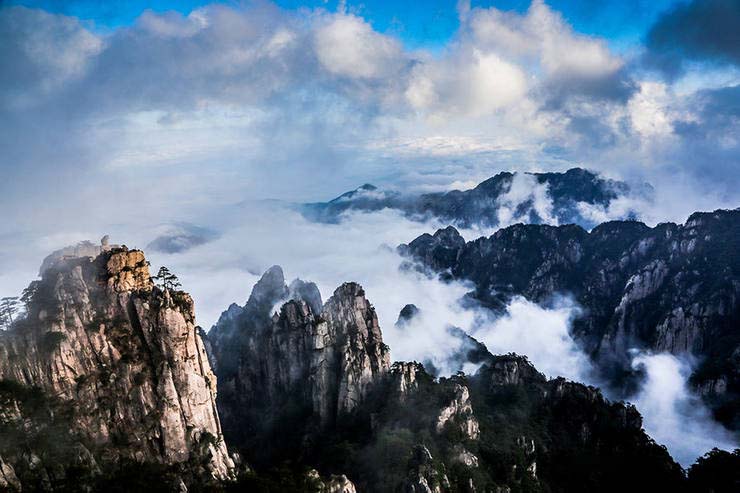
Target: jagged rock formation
[(501, 198), (317, 391), (335, 483), (669, 288), (424, 477), (312, 362), (551, 427), (106, 369)]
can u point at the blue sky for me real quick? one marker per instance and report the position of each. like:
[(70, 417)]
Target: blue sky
[(428, 24), (306, 100)]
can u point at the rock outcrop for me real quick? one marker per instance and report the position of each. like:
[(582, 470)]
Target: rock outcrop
[(672, 288), (119, 360), (317, 391), (424, 475), (316, 364)]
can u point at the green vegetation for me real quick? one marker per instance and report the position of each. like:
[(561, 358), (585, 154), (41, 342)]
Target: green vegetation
[(166, 279), (717, 472), (9, 308), (51, 341)]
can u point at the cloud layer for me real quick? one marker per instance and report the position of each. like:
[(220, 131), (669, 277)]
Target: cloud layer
[(254, 100), (176, 120)]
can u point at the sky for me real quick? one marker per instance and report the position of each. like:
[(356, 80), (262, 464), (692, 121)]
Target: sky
[(137, 119), (119, 116), (428, 24)]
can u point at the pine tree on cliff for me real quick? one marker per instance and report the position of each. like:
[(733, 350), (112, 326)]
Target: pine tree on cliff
[(28, 294), (166, 279), (9, 306)]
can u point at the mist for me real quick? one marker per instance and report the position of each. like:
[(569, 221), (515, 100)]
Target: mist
[(541, 334), (673, 415), (235, 245), (193, 132), (361, 248)]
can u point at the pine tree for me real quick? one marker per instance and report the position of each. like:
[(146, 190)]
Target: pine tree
[(29, 293), (9, 306), (166, 279)]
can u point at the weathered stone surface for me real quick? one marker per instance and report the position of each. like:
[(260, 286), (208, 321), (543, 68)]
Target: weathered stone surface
[(316, 389), (424, 477), (340, 484), (403, 377), (459, 407), (672, 288), (334, 484), (325, 361), (126, 358), (512, 369), (8, 480)]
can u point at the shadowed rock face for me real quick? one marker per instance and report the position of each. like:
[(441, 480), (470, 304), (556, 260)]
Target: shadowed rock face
[(670, 288), (316, 365), (484, 204), (108, 378), (317, 390), (121, 362)]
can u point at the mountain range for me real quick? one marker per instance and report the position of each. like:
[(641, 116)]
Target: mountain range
[(107, 384), (568, 197), (673, 288)]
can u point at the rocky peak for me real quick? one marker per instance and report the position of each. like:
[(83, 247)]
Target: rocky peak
[(458, 412), (127, 270), (334, 484), (306, 291), (512, 369), (324, 362), (672, 288), (439, 251), (269, 290), (407, 314), (424, 475), (125, 358), (481, 205)]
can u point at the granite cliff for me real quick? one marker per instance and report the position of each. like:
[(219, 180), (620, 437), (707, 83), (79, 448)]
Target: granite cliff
[(316, 390), (105, 375), (306, 362), (673, 288)]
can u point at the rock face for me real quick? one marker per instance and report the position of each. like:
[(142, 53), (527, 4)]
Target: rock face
[(317, 391), (315, 362), (120, 360), (504, 197), (670, 288), (576, 428), (424, 477)]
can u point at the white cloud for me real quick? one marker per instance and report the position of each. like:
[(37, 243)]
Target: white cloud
[(673, 416), (348, 46), (543, 36), (469, 83), (648, 110), (525, 188), (542, 334), (40, 53)]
